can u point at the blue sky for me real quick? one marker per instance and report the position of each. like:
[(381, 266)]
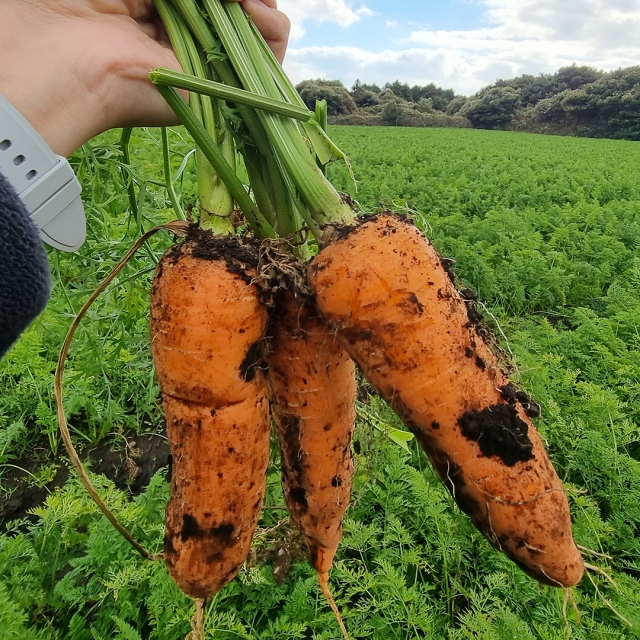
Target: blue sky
[(459, 44), (391, 21)]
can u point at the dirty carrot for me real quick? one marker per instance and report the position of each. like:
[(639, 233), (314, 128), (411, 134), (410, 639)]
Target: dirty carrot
[(402, 320), (313, 392), (384, 291), (207, 322), (312, 383)]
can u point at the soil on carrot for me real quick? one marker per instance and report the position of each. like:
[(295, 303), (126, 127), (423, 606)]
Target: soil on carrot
[(512, 394), (27, 482), (292, 434), (240, 254), (500, 432)]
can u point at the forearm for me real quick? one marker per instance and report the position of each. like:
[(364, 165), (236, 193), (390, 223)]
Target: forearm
[(25, 283)]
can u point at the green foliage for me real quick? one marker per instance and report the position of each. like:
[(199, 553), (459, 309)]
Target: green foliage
[(492, 108), (339, 101), (438, 98), (577, 100), (607, 108), (109, 379), (397, 104), (548, 232), (533, 89)]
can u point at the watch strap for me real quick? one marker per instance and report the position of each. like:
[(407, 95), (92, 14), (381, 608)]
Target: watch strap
[(44, 181)]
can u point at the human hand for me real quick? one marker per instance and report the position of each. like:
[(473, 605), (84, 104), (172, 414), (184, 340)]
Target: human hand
[(76, 68), (272, 24)]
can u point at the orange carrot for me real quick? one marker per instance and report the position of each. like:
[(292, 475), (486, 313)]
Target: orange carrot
[(207, 324), (401, 319), (313, 392)]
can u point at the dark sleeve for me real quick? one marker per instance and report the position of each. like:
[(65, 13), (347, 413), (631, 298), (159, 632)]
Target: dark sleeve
[(25, 282)]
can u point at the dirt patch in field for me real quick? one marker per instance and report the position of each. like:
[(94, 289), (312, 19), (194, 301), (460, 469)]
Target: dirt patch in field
[(129, 466)]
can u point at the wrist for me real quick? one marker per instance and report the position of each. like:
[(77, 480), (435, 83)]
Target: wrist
[(43, 181)]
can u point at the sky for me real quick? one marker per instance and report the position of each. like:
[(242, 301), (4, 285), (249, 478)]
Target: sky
[(457, 44)]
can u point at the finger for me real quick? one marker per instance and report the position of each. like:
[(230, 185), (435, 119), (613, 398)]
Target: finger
[(150, 29), (140, 9), (272, 4), (272, 24), (137, 100)]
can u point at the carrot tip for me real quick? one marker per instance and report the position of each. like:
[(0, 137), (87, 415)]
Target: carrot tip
[(323, 581), (197, 622)]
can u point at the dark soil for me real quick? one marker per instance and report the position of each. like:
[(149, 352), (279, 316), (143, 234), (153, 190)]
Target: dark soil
[(500, 432), (240, 254), (130, 467), (512, 395)]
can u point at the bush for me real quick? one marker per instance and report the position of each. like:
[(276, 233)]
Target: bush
[(339, 100), (492, 108)]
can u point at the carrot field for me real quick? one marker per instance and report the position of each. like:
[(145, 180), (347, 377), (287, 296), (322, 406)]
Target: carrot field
[(546, 232)]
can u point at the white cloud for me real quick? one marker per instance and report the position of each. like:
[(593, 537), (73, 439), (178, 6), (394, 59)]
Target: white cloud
[(521, 36), (365, 11), (339, 12), (392, 23), (415, 66)]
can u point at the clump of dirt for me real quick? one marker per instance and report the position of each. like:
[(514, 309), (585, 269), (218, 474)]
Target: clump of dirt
[(336, 232), (252, 362), (130, 467), (232, 249), (512, 395), (500, 432), (239, 253)]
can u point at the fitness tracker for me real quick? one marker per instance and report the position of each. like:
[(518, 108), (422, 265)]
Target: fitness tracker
[(44, 181)]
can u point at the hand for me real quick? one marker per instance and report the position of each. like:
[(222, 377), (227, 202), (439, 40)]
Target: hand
[(76, 68), (272, 24)]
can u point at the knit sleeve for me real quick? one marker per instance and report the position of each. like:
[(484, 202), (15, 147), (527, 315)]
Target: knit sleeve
[(25, 281)]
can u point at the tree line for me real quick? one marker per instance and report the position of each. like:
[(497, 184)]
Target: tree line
[(576, 100)]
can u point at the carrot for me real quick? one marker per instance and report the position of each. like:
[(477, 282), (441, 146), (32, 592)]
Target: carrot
[(207, 324), (313, 389), (313, 392), (401, 319)]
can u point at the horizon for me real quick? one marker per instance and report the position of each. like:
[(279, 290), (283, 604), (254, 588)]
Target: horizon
[(462, 45)]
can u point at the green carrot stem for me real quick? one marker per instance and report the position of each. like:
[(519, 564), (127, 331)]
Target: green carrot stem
[(125, 139), (322, 114), (212, 46), (258, 223), (315, 131), (285, 86), (260, 190), (168, 177), (174, 25), (208, 114), (179, 80), (325, 204), (216, 203), (322, 117)]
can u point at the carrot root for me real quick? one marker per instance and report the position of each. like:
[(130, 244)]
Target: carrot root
[(207, 325), (402, 320), (323, 582), (197, 622), (313, 391)]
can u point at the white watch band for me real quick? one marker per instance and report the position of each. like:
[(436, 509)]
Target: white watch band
[(44, 181)]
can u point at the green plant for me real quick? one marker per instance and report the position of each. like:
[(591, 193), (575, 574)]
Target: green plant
[(563, 214)]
